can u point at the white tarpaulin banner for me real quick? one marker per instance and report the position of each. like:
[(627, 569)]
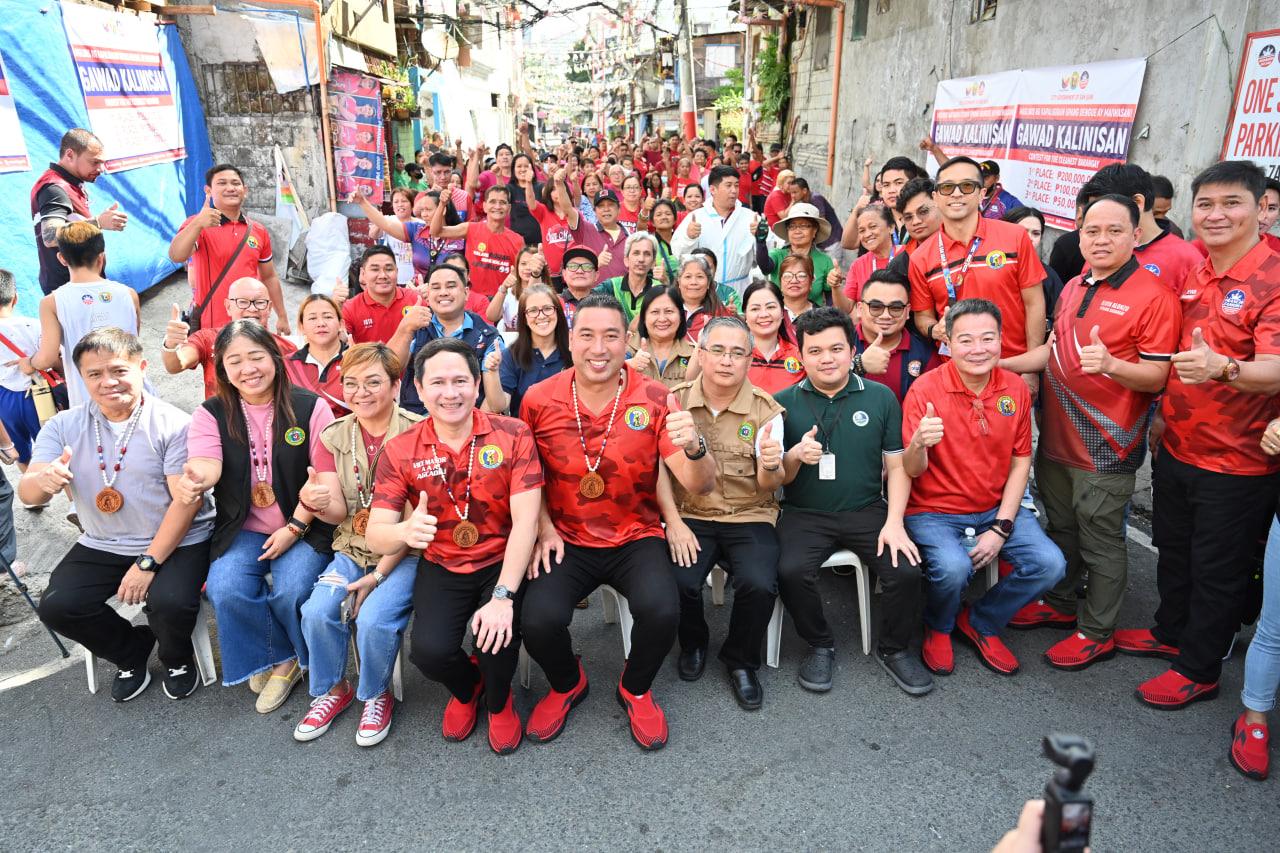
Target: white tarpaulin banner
[(1254, 130), (1049, 129)]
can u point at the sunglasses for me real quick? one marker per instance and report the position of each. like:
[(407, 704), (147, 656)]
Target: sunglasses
[(876, 307), (966, 187)]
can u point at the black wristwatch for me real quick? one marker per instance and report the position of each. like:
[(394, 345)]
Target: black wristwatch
[(1003, 527), (501, 593), (702, 450), (147, 563), (857, 365)]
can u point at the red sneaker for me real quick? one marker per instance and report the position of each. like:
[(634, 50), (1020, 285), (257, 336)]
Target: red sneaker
[(505, 729), (992, 651), (1079, 652), (549, 716), (1249, 752), (1172, 691), (324, 710), (648, 723), (375, 720), (936, 652), (460, 717), (1142, 643), (1037, 614)]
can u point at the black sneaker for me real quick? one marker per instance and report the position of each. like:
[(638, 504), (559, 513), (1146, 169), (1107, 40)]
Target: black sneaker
[(129, 683), (815, 670), (907, 671), (181, 681)]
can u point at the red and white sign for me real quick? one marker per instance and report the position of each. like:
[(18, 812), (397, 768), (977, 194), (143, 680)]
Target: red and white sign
[(13, 150), (1253, 133)]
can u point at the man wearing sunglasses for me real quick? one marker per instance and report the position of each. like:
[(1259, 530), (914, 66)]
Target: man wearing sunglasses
[(888, 350)]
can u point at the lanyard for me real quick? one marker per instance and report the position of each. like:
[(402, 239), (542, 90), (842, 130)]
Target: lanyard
[(825, 431), (897, 244), (946, 268)]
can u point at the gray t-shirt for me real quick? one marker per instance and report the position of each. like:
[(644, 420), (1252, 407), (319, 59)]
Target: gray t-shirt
[(157, 449)]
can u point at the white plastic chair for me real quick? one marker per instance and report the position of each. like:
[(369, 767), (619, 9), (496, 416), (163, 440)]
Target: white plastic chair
[(200, 642), (772, 636)]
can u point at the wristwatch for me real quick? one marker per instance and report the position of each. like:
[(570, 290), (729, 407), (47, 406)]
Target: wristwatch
[(147, 563), (501, 593), (1231, 372), (702, 450), (1003, 526)]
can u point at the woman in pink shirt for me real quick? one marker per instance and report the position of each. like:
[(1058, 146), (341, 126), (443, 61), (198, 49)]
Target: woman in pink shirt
[(879, 246)]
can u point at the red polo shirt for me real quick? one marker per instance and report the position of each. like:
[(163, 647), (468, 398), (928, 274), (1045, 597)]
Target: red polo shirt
[(367, 319), (1004, 265), (1091, 422), (214, 247), (322, 379), (506, 464), (628, 509), (775, 205), (491, 256), (1212, 425), (893, 377), (781, 371), (1169, 258), (968, 469), (203, 341)]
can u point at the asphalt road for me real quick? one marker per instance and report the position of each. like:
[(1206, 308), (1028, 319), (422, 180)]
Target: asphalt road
[(863, 767)]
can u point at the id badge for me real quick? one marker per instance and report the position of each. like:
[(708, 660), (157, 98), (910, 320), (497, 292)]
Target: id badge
[(943, 349), (827, 466)]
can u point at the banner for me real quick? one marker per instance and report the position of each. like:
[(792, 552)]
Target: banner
[(127, 91), (13, 150), (1049, 129), (287, 206), (355, 106), (1253, 133)]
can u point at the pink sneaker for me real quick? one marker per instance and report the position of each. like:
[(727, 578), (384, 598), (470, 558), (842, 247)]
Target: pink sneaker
[(375, 720), (324, 710)]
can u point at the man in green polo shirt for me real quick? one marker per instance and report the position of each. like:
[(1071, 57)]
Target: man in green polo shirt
[(841, 432), (638, 255)]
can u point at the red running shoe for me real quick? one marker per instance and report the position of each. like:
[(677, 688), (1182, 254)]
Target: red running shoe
[(505, 729), (460, 717), (1172, 691), (1079, 652), (648, 723), (992, 651), (549, 716), (1249, 752), (936, 652), (1142, 643), (1037, 614)]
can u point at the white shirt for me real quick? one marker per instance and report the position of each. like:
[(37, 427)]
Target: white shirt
[(86, 306), (24, 332), (731, 239)]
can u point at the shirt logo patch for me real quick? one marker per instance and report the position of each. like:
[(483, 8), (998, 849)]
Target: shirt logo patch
[(404, 312), (480, 247), (684, 361), (1113, 307), (1006, 406), (87, 299), (791, 364), (1188, 295), (1154, 269), (636, 417), (252, 242), (105, 296), (1233, 301), (491, 456), (295, 436), (746, 432), (996, 259), (860, 418), (914, 367)]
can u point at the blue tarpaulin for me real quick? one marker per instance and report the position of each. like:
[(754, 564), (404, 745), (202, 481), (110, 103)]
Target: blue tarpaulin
[(47, 90)]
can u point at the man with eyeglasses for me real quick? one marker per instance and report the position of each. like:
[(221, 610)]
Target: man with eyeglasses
[(247, 299), (921, 219), (972, 257), (579, 274), (374, 314), (734, 525), (887, 349)]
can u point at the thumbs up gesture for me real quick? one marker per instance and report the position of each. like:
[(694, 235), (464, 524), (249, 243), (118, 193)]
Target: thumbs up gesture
[(808, 449), (191, 485), (420, 529), (681, 430), (1095, 357), (940, 328), (176, 330), (642, 360), (875, 358), (929, 430), (315, 493), (113, 218), (770, 449), (56, 474), (695, 227), (1199, 363), (209, 216), (603, 259)]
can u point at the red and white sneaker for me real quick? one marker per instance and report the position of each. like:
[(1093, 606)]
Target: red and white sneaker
[(549, 715), (1173, 691), (1142, 643), (1249, 748), (505, 729), (1038, 614), (1078, 652), (324, 710), (992, 651), (648, 722), (375, 720), (937, 653)]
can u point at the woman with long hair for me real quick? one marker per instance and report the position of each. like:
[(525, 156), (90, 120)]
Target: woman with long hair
[(589, 186), (878, 244), (522, 220), (775, 360), (427, 250), (662, 222), (631, 213), (541, 349), (659, 347), (530, 267), (252, 445), (654, 188), (691, 198), (317, 367), (700, 297)]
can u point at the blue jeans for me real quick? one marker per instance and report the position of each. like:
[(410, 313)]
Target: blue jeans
[(1037, 566), (1262, 663), (379, 626), (260, 626)]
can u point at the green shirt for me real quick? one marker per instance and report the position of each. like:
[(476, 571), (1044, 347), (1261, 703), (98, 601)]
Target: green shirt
[(860, 424), (617, 288), (822, 266)]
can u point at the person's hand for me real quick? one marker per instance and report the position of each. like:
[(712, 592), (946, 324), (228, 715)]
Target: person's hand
[(866, 164), (277, 543), (1025, 837), (493, 360), (925, 144), (875, 358), (1033, 384), (604, 258), (549, 544), (315, 493), (808, 450), (929, 431), (834, 278), (282, 325), (893, 536), (940, 327), (682, 543), (341, 290), (642, 359), (114, 219), (57, 474), (416, 317), (176, 330), (8, 455), (1198, 364), (360, 195), (191, 486), (1271, 438), (647, 207), (695, 227), (681, 430), (491, 625), (987, 549), (209, 216), (361, 589), (770, 449), (1155, 433), (420, 529), (134, 585), (23, 364)]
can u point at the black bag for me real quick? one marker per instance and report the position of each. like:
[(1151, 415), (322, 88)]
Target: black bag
[(193, 316)]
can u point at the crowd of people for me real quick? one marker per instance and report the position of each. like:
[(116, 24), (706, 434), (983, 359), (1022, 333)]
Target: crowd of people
[(628, 365)]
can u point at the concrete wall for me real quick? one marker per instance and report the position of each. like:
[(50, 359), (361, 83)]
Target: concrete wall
[(889, 77)]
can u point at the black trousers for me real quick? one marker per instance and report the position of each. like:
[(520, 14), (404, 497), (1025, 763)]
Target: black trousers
[(812, 537), (443, 603), (749, 553), (75, 605), (639, 570), (1206, 526)]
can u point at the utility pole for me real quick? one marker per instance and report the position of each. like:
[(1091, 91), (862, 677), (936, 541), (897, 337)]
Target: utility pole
[(748, 90), (688, 95)]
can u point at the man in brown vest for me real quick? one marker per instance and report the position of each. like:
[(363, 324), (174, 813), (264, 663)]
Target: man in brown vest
[(734, 525)]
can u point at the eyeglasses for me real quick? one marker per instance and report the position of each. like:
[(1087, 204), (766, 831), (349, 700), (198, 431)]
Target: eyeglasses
[(373, 386), (876, 307), (734, 354), (580, 267), (260, 304), (794, 276), (965, 187), (540, 311), (925, 210)]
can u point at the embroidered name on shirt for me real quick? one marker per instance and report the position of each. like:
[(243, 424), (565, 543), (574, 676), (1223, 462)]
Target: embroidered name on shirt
[(1111, 307)]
